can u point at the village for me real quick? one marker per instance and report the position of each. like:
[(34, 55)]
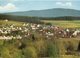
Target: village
[(28, 30)]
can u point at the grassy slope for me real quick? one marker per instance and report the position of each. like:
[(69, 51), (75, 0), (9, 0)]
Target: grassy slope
[(64, 24)]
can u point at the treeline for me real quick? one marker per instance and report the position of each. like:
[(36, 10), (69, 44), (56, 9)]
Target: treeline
[(63, 18), (21, 18), (35, 19)]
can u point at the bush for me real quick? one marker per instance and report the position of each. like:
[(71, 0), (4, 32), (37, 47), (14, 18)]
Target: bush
[(30, 52), (52, 50), (10, 52), (40, 46)]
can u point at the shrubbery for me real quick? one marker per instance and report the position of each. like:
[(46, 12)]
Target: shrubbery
[(30, 52), (26, 48)]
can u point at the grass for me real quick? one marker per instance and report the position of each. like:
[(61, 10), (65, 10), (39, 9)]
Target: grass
[(69, 56), (60, 23), (64, 23), (3, 22), (63, 43), (60, 42)]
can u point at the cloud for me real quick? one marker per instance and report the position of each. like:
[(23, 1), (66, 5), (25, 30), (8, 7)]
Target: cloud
[(9, 6), (64, 4)]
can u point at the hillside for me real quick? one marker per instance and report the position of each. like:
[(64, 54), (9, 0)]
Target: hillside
[(57, 12)]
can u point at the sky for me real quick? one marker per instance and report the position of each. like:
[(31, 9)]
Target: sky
[(26, 5)]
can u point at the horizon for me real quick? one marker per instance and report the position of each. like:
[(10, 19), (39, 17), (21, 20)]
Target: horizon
[(28, 5), (39, 10)]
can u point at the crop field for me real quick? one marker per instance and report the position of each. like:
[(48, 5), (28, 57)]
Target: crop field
[(64, 24)]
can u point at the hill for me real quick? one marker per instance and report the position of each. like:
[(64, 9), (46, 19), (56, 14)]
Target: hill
[(57, 12)]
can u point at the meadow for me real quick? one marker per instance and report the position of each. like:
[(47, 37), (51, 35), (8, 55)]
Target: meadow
[(40, 48), (64, 23), (5, 22), (60, 23), (61, 42)]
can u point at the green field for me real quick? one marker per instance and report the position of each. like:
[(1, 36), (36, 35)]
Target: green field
[(64, 24)]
